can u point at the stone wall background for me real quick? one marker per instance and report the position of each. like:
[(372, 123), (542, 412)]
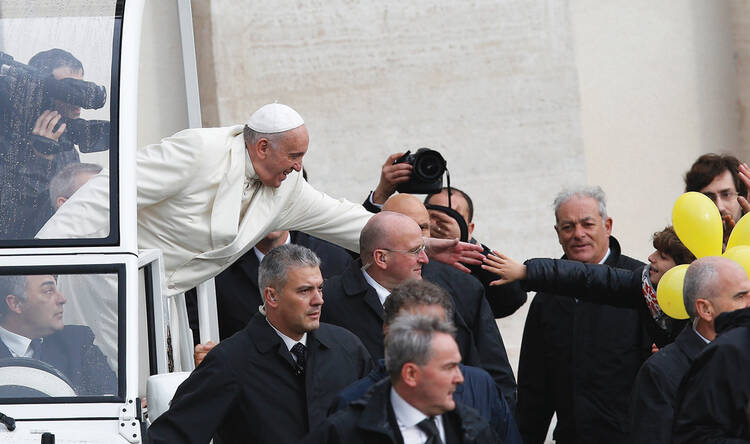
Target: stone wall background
[(522, 97)]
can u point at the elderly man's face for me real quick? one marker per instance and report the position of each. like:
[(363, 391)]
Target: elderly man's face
[(440, 376), (42, 311), (286, 155), (299, 301), (580, 230)]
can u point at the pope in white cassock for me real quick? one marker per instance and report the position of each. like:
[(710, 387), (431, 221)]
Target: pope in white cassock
[(206, 196)]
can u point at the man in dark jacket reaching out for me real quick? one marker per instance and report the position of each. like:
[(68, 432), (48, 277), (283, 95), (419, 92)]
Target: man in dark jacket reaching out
[(579, 359)]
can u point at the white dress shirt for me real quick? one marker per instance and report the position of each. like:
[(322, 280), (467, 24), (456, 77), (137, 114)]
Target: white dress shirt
[(19, 346), (289, 342), (408, 417), (382, 292)]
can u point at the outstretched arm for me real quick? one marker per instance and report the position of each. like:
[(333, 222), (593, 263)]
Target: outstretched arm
[(506, 267), (454, 253)]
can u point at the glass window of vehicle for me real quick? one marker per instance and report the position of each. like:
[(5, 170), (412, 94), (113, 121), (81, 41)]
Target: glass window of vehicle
[(58, 128), (60, 333)]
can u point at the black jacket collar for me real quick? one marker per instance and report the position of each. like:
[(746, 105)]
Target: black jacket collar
[(376, 408), (732, 319), (355, 285), (689, 342)]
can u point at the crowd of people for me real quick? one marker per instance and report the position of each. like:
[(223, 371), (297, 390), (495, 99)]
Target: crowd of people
[(376, 323)]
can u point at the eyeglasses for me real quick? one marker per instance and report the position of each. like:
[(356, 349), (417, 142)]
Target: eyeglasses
[(414, 251), (724, 195)]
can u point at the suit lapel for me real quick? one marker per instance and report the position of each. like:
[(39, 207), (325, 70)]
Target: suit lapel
[(249, 265), (355, 285)]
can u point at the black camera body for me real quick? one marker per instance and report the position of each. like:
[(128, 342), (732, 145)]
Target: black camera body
[(25, 93), (427, 173)]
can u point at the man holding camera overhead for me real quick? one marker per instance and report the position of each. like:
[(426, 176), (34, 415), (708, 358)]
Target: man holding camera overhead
[(450, 217)]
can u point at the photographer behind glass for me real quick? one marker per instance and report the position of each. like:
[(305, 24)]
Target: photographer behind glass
[(40, 125)]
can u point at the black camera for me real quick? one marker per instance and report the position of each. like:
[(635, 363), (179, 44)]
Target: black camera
[(427, 174), (25, 93)]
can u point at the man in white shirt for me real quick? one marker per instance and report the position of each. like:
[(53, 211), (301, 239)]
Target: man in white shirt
[(415, 404), (31, 326)]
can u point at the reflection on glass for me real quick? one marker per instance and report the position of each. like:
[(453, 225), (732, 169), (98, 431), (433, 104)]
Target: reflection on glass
[(58, 335), (54, 112)]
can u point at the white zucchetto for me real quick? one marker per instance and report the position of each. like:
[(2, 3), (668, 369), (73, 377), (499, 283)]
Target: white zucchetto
[(274, 118)]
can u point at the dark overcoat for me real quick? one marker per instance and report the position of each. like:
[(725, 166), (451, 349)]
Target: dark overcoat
[(352, 303), (371, 420), (579, 360), (713, 398), (656, 386), (247, 389)]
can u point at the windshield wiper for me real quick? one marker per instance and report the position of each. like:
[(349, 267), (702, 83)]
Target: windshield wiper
[(9, 422)]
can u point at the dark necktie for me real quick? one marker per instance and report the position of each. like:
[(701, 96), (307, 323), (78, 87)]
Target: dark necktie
[(428, 426), (36, 348), (299, 351)]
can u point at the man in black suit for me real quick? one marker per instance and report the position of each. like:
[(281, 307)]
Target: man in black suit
[(274, 380), (237, 293), (392, 251), (415, 405), (31, 326)]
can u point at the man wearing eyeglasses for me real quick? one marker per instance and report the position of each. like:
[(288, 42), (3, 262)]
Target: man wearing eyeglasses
[(718, 177), (392, 252)]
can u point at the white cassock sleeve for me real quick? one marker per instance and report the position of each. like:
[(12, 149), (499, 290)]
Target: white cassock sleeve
[(318, 214)]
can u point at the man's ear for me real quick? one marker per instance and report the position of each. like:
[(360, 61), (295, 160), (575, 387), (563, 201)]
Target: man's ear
[(270, 297), (410, 373), (705, 310), (470, 228), (608, 225), (61, 200), (379, 258), (15, 304), (262, 147)]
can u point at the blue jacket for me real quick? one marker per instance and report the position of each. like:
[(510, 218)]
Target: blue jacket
[(478, 391)]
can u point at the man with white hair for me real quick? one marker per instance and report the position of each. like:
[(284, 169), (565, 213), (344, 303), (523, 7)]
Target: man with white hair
[(579, 359), (207, 195)]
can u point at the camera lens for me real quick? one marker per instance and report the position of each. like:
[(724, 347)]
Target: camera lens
[(429, 165)]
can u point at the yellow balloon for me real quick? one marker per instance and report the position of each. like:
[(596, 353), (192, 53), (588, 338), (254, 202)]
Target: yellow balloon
[(697, 223), (669, 292), (741, 255), (740, 233)]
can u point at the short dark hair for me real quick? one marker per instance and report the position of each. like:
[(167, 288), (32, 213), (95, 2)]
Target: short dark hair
[(667, 242), (469, 203), (415, 292), (710, 165), (51, 59), (11, 284)]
